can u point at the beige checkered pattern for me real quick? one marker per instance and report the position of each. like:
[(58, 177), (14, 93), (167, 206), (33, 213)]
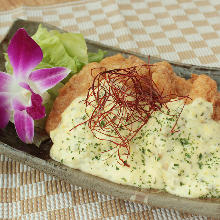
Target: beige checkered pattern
[(180, 30), (186, 31)]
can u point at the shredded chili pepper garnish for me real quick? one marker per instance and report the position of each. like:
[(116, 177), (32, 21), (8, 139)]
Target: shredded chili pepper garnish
[(123, 100)]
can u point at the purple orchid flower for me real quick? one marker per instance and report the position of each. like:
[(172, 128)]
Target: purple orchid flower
[(20, 92)]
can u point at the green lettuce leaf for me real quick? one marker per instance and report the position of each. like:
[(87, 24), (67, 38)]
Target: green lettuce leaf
[(8, 65), (96, 57), (54, 52), (75, 45)]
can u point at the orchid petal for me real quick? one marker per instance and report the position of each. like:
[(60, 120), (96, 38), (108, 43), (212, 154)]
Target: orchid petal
[(24, 125), (36, 110), (17, 104), (25, 86), (5, 80), (24, 54), (45, 79), (5, 109)]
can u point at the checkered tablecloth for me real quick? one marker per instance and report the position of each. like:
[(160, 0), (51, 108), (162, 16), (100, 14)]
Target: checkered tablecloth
[(178, 30)]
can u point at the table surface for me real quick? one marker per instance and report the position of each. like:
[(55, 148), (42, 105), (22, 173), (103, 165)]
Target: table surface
[(11, 4), (185, 31)]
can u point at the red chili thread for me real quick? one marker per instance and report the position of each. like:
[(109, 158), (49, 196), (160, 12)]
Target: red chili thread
[(121, 100)]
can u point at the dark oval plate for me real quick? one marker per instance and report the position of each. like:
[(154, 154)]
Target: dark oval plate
[(38, 157)]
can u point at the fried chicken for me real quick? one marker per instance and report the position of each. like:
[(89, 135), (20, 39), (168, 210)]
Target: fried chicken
[(167, 82), (205, 87)]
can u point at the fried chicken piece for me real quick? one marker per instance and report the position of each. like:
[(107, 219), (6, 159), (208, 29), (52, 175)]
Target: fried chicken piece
[(203, 87), (216, 107), (79, 84), (182, 86), (164, 77), (167, 82)]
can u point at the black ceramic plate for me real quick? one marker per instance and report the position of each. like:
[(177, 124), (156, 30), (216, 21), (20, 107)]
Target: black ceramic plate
[(38, 157)]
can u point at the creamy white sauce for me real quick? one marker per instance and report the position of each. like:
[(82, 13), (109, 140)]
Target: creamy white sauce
[(185, 163)]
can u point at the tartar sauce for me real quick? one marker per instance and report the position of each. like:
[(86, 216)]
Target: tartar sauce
[(185, 163)]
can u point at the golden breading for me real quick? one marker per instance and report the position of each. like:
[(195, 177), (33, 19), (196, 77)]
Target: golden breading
[(168, 82), (182, 86), (216, 107), (119, 62), (206, 88), (203, 87), (162, 73), (113, 62), (164, 77)]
